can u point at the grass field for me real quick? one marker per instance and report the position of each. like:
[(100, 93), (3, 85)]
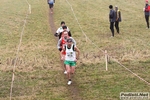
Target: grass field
[(39, 74)]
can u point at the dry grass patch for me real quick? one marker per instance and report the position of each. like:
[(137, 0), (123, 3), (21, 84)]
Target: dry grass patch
[(38, 72), (130, 47)]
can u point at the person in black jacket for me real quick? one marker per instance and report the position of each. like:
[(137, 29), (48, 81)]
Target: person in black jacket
[(112, 19)]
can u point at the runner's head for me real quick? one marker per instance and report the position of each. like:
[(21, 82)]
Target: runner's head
[(69, 41), (65, 34), (64, 28), (110, 7), (116, 8), (62, 23)]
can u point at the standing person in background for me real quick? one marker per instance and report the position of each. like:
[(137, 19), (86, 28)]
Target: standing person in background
[(118, 18), (51, 4), (147, 13), (112, 19)]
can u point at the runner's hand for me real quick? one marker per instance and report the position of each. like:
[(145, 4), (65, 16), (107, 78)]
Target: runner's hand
[(62, 58), (76, 60), (60, 49), (56, 34)]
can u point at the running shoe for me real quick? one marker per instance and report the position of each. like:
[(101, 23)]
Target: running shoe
[(65, 72), (69, 82)]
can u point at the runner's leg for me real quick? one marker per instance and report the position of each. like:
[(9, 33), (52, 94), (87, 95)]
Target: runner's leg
[(51, 8), (68, 71), (72, 69)]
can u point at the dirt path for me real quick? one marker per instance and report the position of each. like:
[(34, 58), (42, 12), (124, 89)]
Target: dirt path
[(73, 88)]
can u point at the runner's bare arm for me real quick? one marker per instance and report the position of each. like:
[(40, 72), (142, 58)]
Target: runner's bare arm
[(73, 40), (58, 44), (61, 53), (78, 52)]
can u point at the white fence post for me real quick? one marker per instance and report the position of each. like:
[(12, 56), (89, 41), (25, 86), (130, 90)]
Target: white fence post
[(106, 59)]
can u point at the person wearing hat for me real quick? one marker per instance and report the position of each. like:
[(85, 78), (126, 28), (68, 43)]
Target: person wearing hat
[(147, 13), (118, 18), (60, 29), (112, 19), (70, 58)]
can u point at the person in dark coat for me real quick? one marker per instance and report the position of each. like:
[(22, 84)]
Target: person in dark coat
[(112, 19)]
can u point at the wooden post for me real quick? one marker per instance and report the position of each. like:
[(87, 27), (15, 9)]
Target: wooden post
[(29, 9), (106, 60), (86, 39)]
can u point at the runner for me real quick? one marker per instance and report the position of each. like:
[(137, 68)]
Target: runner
[(51, 4), (62, 42), (64, 29), (70, 58), (60, 29)]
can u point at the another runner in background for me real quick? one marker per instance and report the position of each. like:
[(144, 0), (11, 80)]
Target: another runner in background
[(51, 4), (60, 29), (64, 29)]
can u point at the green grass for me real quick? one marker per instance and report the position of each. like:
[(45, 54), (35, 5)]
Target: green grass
[(39, 73), (38, 69)]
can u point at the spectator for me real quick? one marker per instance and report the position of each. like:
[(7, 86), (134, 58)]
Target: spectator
[(147, 13), (112, 19), (118, 18)]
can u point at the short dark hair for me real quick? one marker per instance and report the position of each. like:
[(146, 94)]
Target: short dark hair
[(62, 22), (64, 27), (110, 6), (69, 40)]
